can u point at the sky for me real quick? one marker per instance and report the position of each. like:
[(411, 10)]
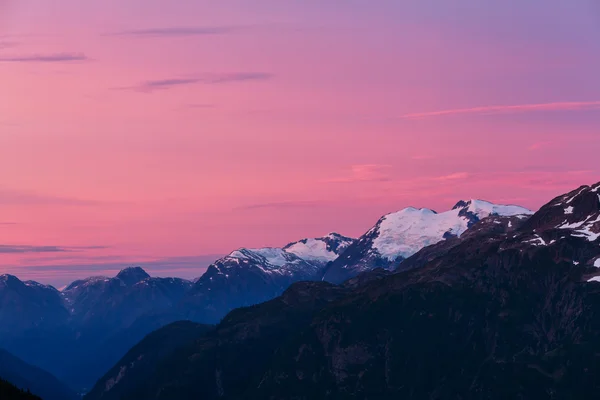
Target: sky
[(165, 134)]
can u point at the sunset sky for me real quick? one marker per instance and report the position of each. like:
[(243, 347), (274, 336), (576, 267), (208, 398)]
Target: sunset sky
[(165, 133)]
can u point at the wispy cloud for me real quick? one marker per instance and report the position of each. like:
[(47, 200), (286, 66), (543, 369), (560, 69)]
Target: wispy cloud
[(16, 197), (509, 109), (9, 249), (421, 157), (539, 145), (23, 249), (6, 45), (207, 79), (280, 205), (45, 58), (365, 173), (452, 177), (181, 31), (198, 106)]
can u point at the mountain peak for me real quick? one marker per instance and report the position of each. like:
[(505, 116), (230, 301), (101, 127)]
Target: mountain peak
[(132, 275), (7, 279), (483, 208)]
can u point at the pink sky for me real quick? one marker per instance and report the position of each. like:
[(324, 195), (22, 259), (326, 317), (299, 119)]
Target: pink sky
[(169, 133)]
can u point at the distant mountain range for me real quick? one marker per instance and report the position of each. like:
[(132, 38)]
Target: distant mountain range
[(504, 306), (80, 332)]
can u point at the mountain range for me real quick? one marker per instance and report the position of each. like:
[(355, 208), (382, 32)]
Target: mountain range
[(79, 333), (509, 308)]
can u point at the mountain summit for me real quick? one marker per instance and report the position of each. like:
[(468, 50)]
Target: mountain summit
[(132, 275), (399, 235)]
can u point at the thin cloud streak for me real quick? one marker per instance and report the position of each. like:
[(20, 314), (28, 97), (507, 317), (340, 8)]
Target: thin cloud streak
[(24, 249), (9, 249), (15, 197), (365, 173), (452, 177), (45, 58), (514, 109), (6, 45), (208, 79), (280, 205), (176, 31)]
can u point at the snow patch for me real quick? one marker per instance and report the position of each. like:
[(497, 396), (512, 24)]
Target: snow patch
[(312, 250), (484, 209), (405, 232)]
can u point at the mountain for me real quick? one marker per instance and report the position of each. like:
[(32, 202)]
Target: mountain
[(320, 250), (231, 356), (28, 305), (399, 235), (79, 333), (113, 303), (508, 312), (251, 276), (10, 392), (142, 358), (36, 380), (109, 315)]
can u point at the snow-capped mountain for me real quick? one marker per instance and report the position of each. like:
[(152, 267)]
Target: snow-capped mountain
[(320, 250), (399, 235), (250, 276)]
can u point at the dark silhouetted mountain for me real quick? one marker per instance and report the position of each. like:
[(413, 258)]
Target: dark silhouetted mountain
[(11, 392), (399, 235), (251, 276), (36, 380), (230, 357), (507, 312), (141, 360)]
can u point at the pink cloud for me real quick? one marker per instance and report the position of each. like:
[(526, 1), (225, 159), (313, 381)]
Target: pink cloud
[(452, 177), (365, 173)]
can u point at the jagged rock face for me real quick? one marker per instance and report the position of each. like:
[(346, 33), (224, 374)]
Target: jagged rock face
[(399, 235)]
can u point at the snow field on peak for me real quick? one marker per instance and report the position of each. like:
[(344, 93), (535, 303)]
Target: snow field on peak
[(405, 232)]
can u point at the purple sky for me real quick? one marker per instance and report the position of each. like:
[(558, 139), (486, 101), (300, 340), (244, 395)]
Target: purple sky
[(166, 133)]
